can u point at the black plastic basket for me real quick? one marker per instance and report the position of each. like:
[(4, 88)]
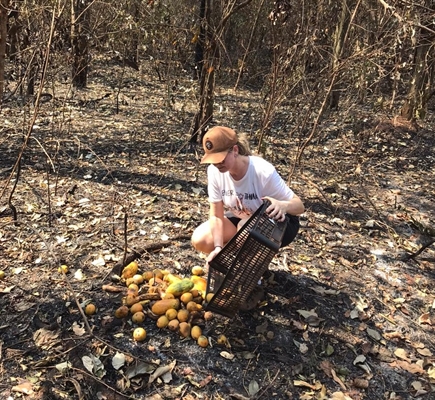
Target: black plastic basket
[(234, 273)]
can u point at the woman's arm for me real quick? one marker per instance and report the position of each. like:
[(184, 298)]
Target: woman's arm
[(217, 228)]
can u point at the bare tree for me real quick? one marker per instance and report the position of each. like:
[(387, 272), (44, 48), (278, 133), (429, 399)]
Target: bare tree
[(211, 58), (420, 88), (80, 14), (4, 5)]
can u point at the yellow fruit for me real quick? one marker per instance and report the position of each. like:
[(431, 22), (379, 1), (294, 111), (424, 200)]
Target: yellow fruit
[(90, 309), (158, 273), (147, 275), (183, 315), (192, 306), (222, 340), (195, 332), (184, 328), (138, 279), (121, 312), (197, 270), (131, 299), (202, 341), (133, 286), (2, 275), (130, 270), (209, 297), (62, 269), (208, 315), (173, 325), (161, 306), (200, 283), (139, 334), (195, 293), (136, 307), (163, 321), (138, 317), (186, 297), (171, 314)]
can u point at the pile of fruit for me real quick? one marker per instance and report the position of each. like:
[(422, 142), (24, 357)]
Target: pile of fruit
[(173, 302)]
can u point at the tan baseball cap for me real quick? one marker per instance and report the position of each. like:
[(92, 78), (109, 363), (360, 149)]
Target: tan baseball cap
[(216, 143)]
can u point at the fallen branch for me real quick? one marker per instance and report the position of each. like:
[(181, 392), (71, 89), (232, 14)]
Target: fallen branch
[(136, 254)]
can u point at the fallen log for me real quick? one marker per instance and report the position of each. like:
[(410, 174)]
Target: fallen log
[(137, 253)]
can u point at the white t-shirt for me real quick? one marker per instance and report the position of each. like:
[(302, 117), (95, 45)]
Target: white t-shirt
[(243, 197)]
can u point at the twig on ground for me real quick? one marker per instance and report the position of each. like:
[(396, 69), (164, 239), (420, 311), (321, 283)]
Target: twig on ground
[(136, 254)]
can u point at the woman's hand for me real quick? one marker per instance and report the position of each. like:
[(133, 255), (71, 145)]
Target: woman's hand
[(214, 253), (277, 209)]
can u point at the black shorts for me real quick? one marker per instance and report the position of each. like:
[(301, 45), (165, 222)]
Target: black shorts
[(291, 230)]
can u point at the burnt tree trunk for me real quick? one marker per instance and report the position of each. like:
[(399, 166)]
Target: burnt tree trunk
[(3, 33), (205, 57), (415, 105), (79, 42), (339, 48)]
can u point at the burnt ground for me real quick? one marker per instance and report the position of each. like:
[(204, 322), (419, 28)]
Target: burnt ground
[(348, 314)]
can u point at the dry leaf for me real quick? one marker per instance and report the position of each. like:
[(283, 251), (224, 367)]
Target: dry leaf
[(424, 352), (401, 353), (227, 355), (338, 380), (412, 368), (425, 319), (25, 387), (161, 371), (374, 334)]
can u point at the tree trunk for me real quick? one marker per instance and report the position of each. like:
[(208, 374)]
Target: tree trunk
[(338, 50), (415, 105), (206, 47), (79, 42), (3, 32)]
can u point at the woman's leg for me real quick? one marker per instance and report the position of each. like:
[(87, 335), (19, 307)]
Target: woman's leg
[(202, 240), (291, 230)]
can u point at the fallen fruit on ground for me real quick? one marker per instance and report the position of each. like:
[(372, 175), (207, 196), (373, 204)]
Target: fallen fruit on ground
[(202, 341), (136, 307), (2, 274), (138, 279), (186, 297), (171, 314), (208, 315), (183, 315), (195, 332), (162, 322), (90, 309), (121, 312), (130, 270), (138, 317), (197, 270), (222, 340), (131, 299), (184, 328), (63, 269), (139, 334), (180, 287), (161, 306), (173, 325)]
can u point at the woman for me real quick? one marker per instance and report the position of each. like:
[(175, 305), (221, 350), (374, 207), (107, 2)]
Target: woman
[(237, 184)]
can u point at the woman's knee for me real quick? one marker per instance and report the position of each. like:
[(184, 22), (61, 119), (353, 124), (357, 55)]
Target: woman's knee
[(200, 239)]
